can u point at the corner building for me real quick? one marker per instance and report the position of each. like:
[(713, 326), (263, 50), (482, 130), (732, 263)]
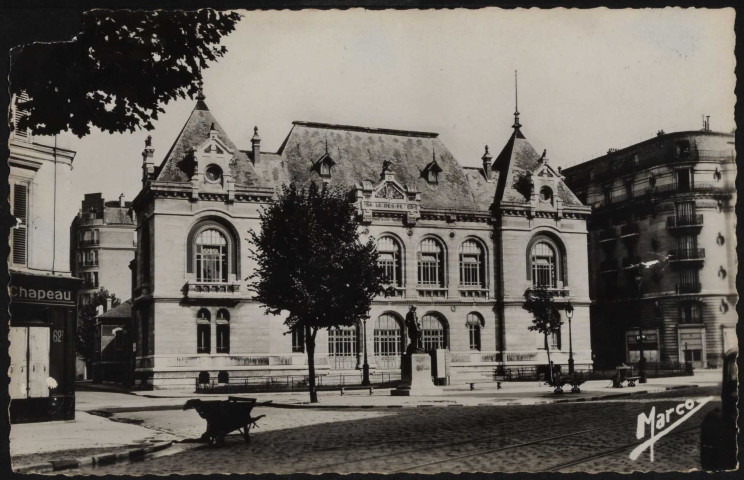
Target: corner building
[(461, 244), (670, 198)]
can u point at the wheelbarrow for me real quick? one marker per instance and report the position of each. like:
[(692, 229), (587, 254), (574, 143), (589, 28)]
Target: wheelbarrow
[(226, 416)]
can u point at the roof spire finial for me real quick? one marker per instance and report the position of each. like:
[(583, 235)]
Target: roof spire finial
[(326, 140), (516, 103), (200, 90)]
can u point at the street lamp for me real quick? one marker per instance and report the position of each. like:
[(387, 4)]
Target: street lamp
[(569, 315), (642, 359), (365, 365)]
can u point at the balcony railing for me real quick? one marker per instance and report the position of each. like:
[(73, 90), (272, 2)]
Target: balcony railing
[(89, 263), (86, 243), (694, 287), (607, 235), (631, 261), (688, 254), (212, 289), (630, 230), (393, 291), (88, 284), (685, 221), (431, 292), (473, 292), (556, 292)]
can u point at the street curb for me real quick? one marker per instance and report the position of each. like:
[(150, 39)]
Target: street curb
[(430, 405), (102, 459)]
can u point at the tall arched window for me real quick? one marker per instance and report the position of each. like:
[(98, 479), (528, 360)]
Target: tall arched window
[(342, 347), (389, 259), (388, 338), (223, 331), (211, 256), (544, 265), (472, 265), (431, 263), (433, 332), (474, 322), (203, 331)]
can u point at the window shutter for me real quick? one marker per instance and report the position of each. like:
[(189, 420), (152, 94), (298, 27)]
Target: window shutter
[(20, 232), (17, 114)]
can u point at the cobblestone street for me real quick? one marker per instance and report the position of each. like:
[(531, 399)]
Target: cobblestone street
[(589, 437)]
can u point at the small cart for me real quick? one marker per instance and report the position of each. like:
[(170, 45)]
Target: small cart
[(225, 416)]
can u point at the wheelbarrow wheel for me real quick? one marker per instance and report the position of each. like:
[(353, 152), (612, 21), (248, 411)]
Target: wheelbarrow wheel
[(215, 440), (247, 433)]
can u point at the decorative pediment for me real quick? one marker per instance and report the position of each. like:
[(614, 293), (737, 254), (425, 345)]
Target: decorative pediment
[(387, 198), (212, 172)]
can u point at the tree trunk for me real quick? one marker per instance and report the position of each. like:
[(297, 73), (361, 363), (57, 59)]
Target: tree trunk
[(550, 365), (310, 344)]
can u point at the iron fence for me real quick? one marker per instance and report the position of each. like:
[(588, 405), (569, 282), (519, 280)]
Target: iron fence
[(291, 383)]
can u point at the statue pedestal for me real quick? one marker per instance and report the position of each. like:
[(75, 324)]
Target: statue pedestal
[(416, 379)]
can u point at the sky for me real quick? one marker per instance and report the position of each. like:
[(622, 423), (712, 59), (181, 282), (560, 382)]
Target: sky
[(589, 80)]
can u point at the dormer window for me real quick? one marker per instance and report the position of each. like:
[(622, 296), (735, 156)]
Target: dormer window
[(431, 172), (325, 169), (213, 173)]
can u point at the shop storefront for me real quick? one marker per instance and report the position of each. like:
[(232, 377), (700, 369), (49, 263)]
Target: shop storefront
[(42, 347)]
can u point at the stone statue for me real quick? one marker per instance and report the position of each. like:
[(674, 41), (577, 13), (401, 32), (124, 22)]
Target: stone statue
[(414, 332)]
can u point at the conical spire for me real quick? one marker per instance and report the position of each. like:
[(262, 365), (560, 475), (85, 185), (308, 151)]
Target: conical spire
[(516, 103)]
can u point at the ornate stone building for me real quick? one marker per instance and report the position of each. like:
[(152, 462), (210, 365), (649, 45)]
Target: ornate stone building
[(670, 198), (462, 244)]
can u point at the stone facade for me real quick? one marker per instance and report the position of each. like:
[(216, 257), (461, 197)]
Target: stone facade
[(102, 239), (451, 246), (669, 199)]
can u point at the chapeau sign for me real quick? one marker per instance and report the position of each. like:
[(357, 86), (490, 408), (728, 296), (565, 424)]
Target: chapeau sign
[(43, 289)]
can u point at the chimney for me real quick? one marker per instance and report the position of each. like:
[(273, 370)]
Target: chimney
[(121, 201), (108, 304), (487, 167), (148, 164), (256, 142)]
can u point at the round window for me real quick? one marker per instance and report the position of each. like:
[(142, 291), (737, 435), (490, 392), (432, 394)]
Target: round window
[(214, 173)]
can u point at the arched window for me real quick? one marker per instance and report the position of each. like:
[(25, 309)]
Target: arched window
[(211, 256), (325, 169), (203, 377), (472, 265), (431, 263), (546, 195), (389, 259), (223, 331), (342, 347), (544, 265), (223, 377), (203, 331), (388, 338), (474, 322), (433, 333)]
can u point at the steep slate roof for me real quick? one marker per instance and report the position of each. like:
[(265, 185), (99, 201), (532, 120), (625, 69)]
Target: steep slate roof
[(515, 160), (124, 310), (483, 190), (177, 167), (360, 152)]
